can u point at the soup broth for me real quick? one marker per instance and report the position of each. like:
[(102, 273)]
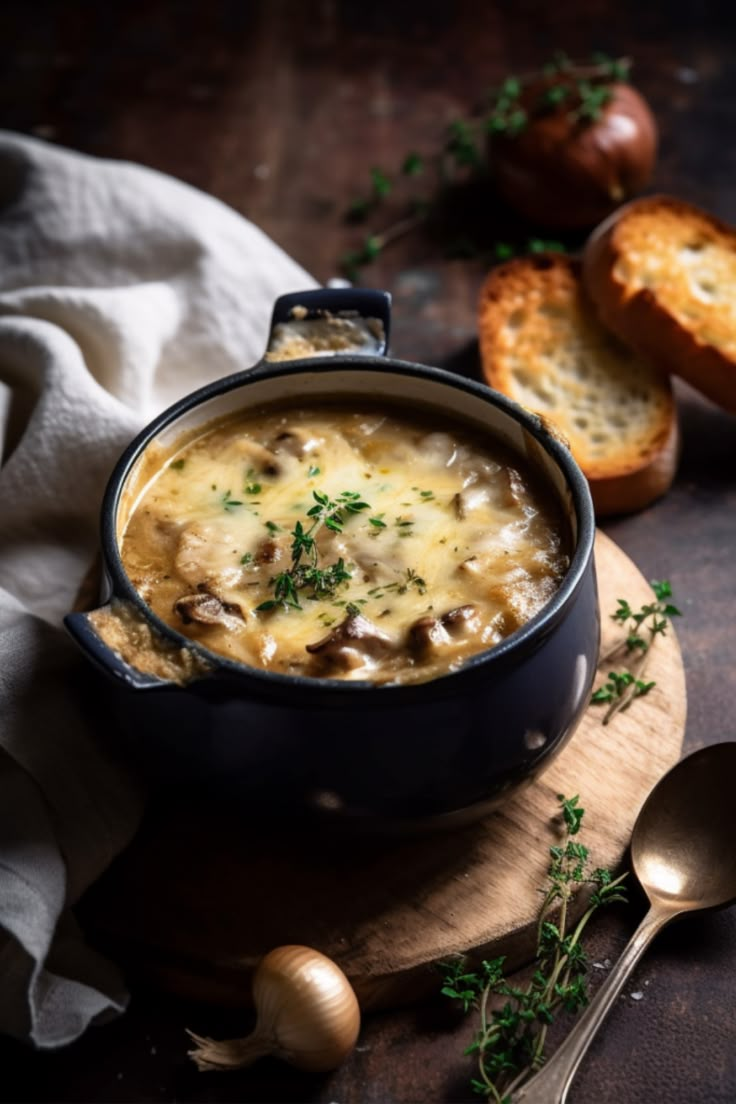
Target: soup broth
[(353, 543)]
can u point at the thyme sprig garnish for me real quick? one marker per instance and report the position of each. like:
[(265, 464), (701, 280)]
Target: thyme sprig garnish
[(400, 586), (642, 628), (580, 89), (510, 1041), (304, 574)]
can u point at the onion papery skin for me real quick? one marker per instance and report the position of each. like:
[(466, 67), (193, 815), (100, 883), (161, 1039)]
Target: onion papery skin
[(307, 1008)]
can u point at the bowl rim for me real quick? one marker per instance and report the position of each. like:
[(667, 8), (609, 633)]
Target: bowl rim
[(265, 684)]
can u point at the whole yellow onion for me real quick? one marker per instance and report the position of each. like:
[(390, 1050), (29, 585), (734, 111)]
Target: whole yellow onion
[(307, 1015)]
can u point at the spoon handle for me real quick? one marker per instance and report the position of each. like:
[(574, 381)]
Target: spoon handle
[(551, 1084)]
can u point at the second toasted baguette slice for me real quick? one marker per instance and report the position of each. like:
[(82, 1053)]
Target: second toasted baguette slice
[(662, 275), (542, 345)]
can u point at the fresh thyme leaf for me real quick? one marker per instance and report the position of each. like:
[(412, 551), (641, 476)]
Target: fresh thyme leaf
[(462, 144), (352, 502), (229, 502), (592, 99), (509, 1044), (571, 812), (618, 69), (511, 88), (352, 261), (313, 471), (308, 578), (401, 586), (380, 183), (412, 579), (246, 558), (177, 465), (555, 95), (539, 245), (624, 611), (372, 247), (503, 251), (413, 165), (579, 90), (253, 488), (642, 627)]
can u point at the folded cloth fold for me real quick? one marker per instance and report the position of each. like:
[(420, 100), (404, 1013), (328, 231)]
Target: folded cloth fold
[(120, 290)]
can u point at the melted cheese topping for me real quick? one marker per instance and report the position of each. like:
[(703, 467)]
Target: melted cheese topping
[(437, 546)]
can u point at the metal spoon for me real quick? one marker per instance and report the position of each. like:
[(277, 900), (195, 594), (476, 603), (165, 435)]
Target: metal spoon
[(682, 852)]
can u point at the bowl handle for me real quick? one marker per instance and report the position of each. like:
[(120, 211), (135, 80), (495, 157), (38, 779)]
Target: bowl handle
[(104, 657), (368, 303)]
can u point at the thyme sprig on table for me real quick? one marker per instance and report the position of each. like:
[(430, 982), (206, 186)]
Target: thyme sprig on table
[(580, 89), (642, 626), (304, 574), (510, 1040)]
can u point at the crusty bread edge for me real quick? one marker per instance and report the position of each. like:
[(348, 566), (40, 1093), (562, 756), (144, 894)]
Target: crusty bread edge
[(625, 494), (626, 491), (642, 322)]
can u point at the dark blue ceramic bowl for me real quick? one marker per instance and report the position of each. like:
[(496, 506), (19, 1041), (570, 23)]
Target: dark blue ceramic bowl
[(440, 752)]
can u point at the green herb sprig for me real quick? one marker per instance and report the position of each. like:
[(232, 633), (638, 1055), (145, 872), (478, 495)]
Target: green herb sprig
[(400, 586), (304, 573), (509, 1043), (582, 90), (642, 628)]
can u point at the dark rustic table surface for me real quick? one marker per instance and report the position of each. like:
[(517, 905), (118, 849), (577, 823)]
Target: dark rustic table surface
[(281, 110)]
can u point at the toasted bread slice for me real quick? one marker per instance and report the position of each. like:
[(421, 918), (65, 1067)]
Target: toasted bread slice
[(662, 275), (542, 345)]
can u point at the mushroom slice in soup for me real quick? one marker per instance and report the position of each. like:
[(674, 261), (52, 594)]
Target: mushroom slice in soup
[(206, 608), (394, 518), (354, 643), (432, 636)]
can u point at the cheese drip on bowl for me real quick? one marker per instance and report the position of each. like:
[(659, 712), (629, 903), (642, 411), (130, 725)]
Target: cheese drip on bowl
[(352, 543)]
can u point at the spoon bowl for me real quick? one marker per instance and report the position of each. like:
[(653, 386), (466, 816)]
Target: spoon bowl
[(682, 847), (682, 852)]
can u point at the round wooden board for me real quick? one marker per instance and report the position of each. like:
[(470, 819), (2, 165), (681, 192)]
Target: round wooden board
[(195, 902)]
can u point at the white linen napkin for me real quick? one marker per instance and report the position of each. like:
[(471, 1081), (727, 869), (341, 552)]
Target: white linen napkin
[(120, 290)]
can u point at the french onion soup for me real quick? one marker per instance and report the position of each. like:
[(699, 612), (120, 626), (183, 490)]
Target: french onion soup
[(351, 543)]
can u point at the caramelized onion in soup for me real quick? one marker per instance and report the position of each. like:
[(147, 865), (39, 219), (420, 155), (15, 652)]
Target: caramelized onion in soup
[(354, 543)]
